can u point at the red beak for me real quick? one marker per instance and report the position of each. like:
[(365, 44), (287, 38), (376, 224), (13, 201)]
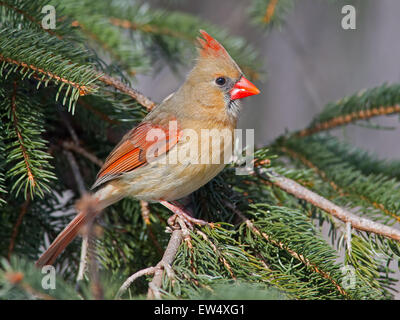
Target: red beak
[(243, 88)]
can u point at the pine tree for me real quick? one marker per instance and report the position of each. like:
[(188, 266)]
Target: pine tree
[(66, 93)]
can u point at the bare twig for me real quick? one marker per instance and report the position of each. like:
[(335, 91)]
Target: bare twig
[(164, 264), (344, 215), (82, 191), (342, 192), (132, 278), (24, 209), (78, 149), (75, 171), (120, 86), (69, 126), (95, 284), (166, 261)]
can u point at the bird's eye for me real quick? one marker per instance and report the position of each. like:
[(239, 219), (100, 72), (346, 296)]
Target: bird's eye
[(220, 81)]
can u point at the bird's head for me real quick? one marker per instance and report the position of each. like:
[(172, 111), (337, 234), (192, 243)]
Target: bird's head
[(216, 82)]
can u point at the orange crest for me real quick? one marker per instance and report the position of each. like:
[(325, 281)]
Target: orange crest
[(210, 46)]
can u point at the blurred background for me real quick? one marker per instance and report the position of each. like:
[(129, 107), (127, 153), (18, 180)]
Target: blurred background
[(307, 63)]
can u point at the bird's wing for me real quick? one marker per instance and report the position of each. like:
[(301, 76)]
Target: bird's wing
[(133, 150)]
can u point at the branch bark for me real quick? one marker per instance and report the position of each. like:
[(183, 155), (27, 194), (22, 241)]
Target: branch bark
[(165, 263), (120, 86), (342, 214)]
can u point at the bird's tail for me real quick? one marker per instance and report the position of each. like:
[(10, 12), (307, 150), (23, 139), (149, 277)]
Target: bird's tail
[(88, 207)]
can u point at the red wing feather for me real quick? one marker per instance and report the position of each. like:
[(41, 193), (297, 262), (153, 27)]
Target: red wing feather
[(131, 152)]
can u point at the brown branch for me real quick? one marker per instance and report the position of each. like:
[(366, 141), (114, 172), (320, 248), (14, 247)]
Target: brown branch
[(82, 190), (96, 287), (24, 209), (345, 119), (85, 236), (144, 272), (341, 191), (269, 13), (76, 173), (78, 149), (309, 164), (344, 215), (117, 84), (89, 205), (166, 262)]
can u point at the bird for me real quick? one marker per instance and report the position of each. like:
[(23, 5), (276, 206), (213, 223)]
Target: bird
[(146, 164)]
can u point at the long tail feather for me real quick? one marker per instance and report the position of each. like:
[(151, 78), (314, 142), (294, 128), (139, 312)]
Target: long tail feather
[(63, 240), (88, 207)]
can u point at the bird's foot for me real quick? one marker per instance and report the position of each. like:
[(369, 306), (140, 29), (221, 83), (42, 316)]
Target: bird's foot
[(186, 217)]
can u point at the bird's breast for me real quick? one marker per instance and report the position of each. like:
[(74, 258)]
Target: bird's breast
[(197, 158)]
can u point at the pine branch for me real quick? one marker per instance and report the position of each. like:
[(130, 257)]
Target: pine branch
[(349, 118), (28, 162), (293, 253), (374, 102), (47, 59), (25, 155)]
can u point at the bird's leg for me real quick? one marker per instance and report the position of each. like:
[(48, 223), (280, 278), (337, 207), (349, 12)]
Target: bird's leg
[(180, 212)]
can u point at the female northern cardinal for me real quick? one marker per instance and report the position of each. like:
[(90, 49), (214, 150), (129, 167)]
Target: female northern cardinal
[(207, 100)]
